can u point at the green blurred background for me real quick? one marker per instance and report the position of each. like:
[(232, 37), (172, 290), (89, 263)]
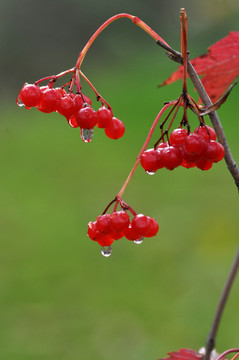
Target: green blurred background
[(60, 299)]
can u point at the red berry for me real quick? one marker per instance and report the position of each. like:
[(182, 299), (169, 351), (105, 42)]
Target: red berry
[(119, 220), (86, 117), (178, 136), (49, 99), (77, 98), (92, 232), (188, 165), (141, 224), (105, 241), (66, 106), (195, 144), (214, 151), (153, 229), (172, 157), (151, 160), (116, 129), (130, 234), (104, 117), (30, 95), (204, 164), (117, 235), (103, 223), (87, 100), (206, 132), (72, 122)]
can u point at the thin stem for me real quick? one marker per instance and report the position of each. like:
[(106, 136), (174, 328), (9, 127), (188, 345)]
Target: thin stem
[(99, 97), (120, 194), (221, 356), (235, 356), (135, 20), (183, 18), (55, 77), (221, 305)]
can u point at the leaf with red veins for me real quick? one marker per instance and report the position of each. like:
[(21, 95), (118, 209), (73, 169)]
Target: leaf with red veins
[(184, 354), (219, 67)]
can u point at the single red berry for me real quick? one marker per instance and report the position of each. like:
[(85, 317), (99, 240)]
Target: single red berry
[(77, 98), (188, 165), (140, 224), (103, 223), (162, 145), (72, 122), (116, 129), (105, 241), (153, 228), (151, 161), (119, 220), (195, 144), (104, 117), (214, 151), (189, 158), (66, 106), (207, 132), (172, 157), (204, 164), (86, 117), (30, 95), (131, 234), (92, 232), (49, 99), (178, 136)]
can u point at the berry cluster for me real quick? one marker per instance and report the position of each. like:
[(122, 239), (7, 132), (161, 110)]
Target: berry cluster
[(76, 108), (110, 227), (199, 149)]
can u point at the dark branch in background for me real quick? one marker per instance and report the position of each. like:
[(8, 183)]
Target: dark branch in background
[(221, 304), (231, 163)]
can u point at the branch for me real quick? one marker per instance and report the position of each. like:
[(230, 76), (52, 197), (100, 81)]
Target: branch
[(221, 305), (231, 163)]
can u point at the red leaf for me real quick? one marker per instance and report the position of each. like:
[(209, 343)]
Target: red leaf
[(184, 354), (219, 67)]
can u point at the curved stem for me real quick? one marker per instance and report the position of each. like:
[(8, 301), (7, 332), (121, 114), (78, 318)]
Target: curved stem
[(134, 19), (55, 77), (221, 356), (144, 147)]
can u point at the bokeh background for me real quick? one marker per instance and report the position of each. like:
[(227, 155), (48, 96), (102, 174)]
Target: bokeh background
[(60, 299)]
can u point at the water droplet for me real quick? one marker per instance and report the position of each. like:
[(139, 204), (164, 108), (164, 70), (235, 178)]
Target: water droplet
[(139, 241), (106, 251), (19, 103), (150, 172), (87, 135)]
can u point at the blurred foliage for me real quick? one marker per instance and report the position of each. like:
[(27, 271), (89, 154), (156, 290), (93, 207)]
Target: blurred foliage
[(60, 299)]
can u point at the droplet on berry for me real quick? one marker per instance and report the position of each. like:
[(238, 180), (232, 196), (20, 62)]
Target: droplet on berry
[(139, 241), (87, 135), (150, 172), (19, 102), (106, 251)]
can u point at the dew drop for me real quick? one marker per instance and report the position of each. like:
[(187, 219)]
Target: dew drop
[(19, 103), (87, 135), (106, 251), (139, 241), (150, 172)]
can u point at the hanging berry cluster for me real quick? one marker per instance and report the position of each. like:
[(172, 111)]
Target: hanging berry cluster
[(76, 108), (110, 227), (179, 148)]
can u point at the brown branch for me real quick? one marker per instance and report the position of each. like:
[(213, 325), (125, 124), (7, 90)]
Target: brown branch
[(221, 305), (231, 163)]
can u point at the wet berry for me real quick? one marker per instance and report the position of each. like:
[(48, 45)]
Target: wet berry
[(115, 130)]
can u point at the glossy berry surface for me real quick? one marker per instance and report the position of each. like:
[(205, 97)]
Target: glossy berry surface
[(66, 106), (30, 95), (104, 117), (151, 160), (178, 136), (86, 117), (119, 220), (207, 132), (115, 130), (195, 144), (141, 224), (172, 157)]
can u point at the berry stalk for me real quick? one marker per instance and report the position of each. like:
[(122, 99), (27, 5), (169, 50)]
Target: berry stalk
[(229, 352), (120, 194), (134, 19)]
